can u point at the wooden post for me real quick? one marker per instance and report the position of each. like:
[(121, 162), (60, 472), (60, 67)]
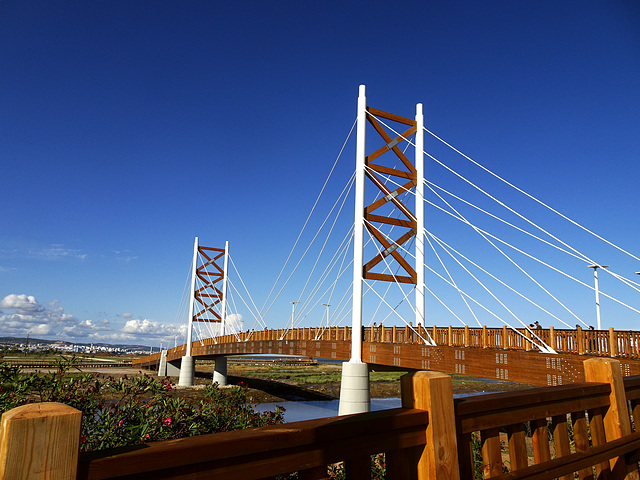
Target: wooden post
[(466, 335), (617, 422), (432, 391), (613, 343), (393, 340), (527, 343), (450, 336), (579, 340), (485, 337), (40, 440), (434, 334), (505, 342), (382, 333), (552, 338)]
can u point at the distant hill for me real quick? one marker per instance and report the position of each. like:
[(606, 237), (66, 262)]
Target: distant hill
[(32, 341)]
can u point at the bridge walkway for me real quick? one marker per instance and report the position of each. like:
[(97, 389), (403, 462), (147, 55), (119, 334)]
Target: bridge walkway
[(498, 353)]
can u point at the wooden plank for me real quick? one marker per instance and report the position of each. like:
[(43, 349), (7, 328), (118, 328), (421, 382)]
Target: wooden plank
[(390, 221), (540, 440), (517, 446), (561, 442), (40, 440), (389, 278), (581, 440), (391, 116), (491, 452), (465, 455), (391, 171)]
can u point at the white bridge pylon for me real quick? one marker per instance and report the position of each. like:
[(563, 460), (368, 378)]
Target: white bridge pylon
[(208, 296), (354, 392)]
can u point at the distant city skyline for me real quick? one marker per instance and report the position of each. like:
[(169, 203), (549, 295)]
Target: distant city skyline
[(127, 129)]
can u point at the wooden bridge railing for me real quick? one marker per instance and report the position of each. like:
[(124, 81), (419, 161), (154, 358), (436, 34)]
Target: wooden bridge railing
[(537, 434), (609, 343)]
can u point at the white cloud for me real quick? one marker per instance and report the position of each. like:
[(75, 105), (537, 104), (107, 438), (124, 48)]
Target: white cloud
[(23, 304), (22, 314)]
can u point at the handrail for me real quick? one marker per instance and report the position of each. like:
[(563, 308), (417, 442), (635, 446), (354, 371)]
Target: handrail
[(609, 343), (270, 450)]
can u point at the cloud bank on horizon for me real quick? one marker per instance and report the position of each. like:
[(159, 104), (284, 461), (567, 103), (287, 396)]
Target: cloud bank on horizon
[(22, 314)]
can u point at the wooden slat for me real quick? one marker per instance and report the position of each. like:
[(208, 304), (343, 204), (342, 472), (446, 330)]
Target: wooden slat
[(465, 455), (540, 440), (491, 452), (562, 466), (390, 221), (391, 116), (392, 171), (581, 440), (517, 446), (389, 278), (561, 440)]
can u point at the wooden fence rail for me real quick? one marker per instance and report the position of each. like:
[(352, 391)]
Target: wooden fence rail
[(543, 433), (609, 343)]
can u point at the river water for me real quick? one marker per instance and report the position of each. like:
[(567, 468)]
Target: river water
[(311, 409)]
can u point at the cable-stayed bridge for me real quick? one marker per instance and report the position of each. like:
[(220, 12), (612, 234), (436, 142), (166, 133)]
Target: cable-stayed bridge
[(472, 258)]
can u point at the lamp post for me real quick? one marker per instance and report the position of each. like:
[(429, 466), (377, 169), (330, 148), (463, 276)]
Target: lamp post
[(595, 281), (293, 309), (327, 305)]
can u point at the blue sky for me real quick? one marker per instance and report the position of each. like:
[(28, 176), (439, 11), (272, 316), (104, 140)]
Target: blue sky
[(128, 128)]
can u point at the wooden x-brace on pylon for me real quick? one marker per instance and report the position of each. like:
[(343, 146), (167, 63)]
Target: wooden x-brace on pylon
[(208, 296), (403, 175)]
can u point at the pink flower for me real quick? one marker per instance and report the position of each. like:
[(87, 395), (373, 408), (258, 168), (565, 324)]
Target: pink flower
[(147, 436), (167, 421), (120, 423)]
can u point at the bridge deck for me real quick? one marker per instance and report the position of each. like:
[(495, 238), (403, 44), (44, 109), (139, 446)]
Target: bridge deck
[(481, 352)]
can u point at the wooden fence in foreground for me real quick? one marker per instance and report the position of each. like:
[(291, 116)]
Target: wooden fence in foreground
[(536, 434)]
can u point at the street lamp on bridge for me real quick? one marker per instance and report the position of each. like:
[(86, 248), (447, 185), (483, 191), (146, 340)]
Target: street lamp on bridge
[(595, 281), (293, 310), (326, 305)]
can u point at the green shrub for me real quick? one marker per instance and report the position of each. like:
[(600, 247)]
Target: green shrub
[(131, 410)]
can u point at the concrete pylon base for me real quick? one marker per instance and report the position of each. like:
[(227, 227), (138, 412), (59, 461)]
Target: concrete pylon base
[(187, 371), (162, 368), (220, 371), (355, 396)]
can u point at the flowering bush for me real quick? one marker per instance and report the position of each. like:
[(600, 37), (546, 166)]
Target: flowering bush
[(131, 410)]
